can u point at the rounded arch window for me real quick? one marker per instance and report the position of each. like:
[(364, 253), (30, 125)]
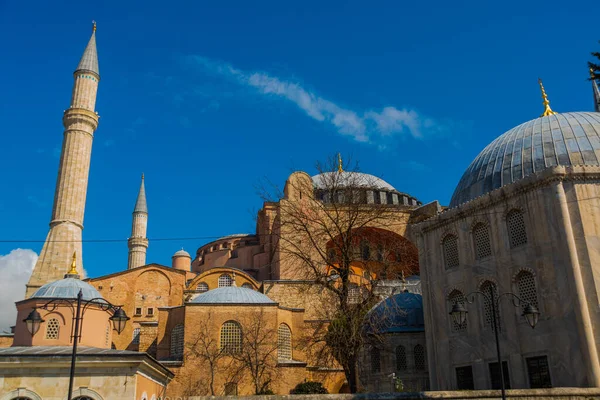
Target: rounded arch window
[(515, 224), (481, 241), (202, 287), (419, 354), (231, 337), (488, 288), (225, 280), (527, 290), (284, 342), (401, 364), (450, 247)]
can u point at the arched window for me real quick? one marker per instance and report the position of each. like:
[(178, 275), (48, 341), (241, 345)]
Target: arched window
[(284, 342), (177, 341), (454, 297), (481, 241), (52, 329), (365, 250), (231, 337), (515, 224), (248, 286), (401, 358), (450, 247), (135, 339), (487, 305), (419, 355), (202, 287), (527, 290), (225, 280), (375, 360)]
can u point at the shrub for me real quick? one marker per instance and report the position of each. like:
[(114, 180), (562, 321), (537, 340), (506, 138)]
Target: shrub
[(309, 387)]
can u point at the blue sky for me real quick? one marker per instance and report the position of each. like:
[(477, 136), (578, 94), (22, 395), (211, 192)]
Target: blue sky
[(208, 98)]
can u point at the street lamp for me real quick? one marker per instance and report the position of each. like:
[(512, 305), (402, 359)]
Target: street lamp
[(530, 312), (118, 318)]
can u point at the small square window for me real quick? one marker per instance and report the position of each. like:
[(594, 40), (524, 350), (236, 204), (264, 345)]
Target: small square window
[(138, 311), (150, 311)]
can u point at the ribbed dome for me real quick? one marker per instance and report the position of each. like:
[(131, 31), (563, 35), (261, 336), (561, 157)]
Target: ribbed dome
[(342, 179), (559, 139), (232, 295), (402, 312), (67, 288)]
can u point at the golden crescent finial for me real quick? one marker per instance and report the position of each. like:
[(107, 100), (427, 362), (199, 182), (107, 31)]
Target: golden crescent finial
[(547, 109), (73, 270), (93, 26), (340, 164), (592, 75)]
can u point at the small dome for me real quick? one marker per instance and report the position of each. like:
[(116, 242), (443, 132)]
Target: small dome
[(402, 312), (560, 139), (182, 253), (232, 295), (345, 178), (67, 288)]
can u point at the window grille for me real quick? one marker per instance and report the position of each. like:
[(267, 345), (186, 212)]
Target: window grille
[(231, 337), (248, 286), (354, 294), (487, 305), (464, 378), (375, 360), (495, 377), (527, 290), (177, 341), (456, 296), (401, 358), (481, 239), (539, 372), (150, 311), (107, 334), (136, 336), (138, 311), (202, 287), (515, 223), (450, 246), (52, 329), (419, 355), (225, 280), (284, 342)]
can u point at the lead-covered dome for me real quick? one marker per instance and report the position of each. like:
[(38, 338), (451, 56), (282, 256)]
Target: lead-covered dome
[(402, 312), (67, 288), (232, 295), (346, 178), (559, 139)]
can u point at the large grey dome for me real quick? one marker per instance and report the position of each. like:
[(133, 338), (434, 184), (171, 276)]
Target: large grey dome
[(348, 178), (559, 139), (232, 295), (67, 288)]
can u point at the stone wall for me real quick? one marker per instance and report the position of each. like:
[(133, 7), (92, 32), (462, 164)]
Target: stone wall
[(521, 394)]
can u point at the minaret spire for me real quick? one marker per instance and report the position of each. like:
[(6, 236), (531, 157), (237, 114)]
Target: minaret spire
[(547, 109), (66, 225), (595, 90), (138, 242), (340, 167)]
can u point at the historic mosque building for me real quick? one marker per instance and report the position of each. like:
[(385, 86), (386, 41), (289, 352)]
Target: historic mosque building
[(523, 219)]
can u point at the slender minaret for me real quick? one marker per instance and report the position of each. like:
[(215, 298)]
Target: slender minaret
[(138, 243), (80, 121), (596, 91)]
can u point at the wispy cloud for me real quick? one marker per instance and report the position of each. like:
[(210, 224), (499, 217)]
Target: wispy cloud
[(362, 125)]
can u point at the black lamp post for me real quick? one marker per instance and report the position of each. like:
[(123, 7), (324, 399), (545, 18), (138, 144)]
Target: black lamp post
[(118, 318), (530, 312)]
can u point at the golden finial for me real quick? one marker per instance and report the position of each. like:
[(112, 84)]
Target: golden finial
[(73, 270), (592, 75), (93, 26), (340, 166), (547, 109)]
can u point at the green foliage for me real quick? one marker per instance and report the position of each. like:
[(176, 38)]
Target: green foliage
[(309, 387)]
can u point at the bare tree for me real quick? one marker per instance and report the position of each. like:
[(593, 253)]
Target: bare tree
[(344, 234)]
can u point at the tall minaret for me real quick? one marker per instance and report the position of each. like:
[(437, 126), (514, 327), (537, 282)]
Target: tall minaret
[(80, 121), (138, 243)]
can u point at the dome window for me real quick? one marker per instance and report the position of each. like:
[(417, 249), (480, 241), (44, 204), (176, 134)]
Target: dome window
[(225, 280), (202, 287)]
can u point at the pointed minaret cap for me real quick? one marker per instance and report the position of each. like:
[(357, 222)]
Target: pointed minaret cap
[(140, 204), (596, 91), (89, 60), (72, 273)]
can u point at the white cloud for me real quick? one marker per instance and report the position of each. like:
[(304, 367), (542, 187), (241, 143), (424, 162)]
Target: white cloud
[(363, 126), (15, 269)]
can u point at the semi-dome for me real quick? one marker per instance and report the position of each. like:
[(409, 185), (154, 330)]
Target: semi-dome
[(232, 295), (402, 312), (348, 178), (560, 139), (67, 288)]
